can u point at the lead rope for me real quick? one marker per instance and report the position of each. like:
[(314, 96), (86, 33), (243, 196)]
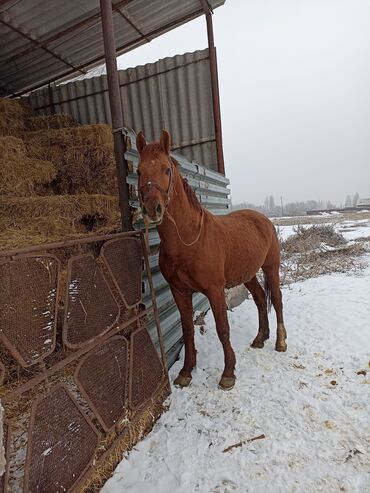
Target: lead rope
[(149, 252), (178, 233), (170, 188)]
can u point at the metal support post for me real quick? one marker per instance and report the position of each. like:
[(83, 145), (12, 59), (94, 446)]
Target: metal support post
[(116, 112), (215, 87)]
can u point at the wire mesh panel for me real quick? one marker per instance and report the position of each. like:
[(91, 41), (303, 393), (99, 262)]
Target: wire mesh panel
[(146, 369), (123, 258), (6, 445), (91, 308), (28, 294), (2, 374), (54, 446), (102, 378), (61, 443)]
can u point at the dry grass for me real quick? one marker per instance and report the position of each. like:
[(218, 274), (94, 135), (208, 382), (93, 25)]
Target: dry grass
[(318, 250), (112, 447), (334, 218), (13, 114), (46, 122), (313, 237), (83, 156), (36, 220), (20, 175)]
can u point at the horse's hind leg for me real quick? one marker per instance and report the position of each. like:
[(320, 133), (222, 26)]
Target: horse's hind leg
[(185, 305), (273, 285), (259, 297)]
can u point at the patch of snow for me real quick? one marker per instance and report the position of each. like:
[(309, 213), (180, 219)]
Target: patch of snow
[(311, 404)]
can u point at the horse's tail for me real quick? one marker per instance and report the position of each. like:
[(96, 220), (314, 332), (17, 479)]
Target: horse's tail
[(268, 294)]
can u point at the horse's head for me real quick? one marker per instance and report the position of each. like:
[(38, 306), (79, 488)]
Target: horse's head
[(155, 172)]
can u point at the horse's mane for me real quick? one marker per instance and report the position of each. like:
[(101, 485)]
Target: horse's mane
[(193, 199)]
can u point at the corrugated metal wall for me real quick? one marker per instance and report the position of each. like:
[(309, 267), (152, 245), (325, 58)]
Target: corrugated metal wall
[(173, 93), (212, 192)]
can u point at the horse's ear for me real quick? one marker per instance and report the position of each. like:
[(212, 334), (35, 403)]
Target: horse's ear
[(165, 141), (140, 142)]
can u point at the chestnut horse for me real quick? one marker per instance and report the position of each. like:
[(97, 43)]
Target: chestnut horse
[(201, 252)]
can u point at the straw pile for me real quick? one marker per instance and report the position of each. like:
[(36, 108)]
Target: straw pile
[(13, 115), (45, 122), (57, 179), (83, 157), (318, 250), (313, 237), (34, 220), (20, 175)]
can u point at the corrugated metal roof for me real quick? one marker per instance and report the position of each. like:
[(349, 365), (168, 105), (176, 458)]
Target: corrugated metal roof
[(43, 41), (173, 93)]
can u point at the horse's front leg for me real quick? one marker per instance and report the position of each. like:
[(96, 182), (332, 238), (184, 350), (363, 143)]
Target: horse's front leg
[(216, 298), (184, 302)]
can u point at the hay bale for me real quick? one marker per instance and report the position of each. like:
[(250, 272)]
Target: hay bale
[(13, 114), (11, 148), (83, 156), (20, 175), (45, 122), (35, 220)]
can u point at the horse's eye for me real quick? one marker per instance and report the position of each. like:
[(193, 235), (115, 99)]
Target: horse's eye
[(168, 171), (138, 172)]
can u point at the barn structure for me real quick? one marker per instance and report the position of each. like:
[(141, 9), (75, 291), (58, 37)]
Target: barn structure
[(88, 326)]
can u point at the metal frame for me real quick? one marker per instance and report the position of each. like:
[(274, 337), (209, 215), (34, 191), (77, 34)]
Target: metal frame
[(158, 393), (7, 439), (215, 88), (2, 372), (120, 49), (117, 328), (116, 112)]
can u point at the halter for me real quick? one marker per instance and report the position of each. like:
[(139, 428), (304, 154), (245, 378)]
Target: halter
[(167, 194)]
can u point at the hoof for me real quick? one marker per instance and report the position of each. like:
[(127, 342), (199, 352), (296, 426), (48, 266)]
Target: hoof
[(226, 383), (259, 341), (281, 347), (182, 381), (258, 344)]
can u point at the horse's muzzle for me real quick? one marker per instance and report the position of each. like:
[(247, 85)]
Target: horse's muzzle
[(153, 212)]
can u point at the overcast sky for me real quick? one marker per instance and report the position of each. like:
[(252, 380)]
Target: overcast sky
[(295, 82)]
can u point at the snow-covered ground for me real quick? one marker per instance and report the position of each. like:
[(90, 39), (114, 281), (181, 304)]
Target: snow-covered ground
[(312, 404)]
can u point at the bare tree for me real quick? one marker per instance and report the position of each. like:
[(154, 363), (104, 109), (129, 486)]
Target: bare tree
[(348, 201)]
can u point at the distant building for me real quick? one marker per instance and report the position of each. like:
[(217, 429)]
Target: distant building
[(363, 203)]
